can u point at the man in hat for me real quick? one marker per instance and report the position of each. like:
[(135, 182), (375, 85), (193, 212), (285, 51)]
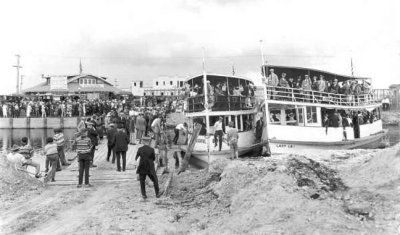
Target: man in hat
[(92, 134), (110, 145), (146, 166), (83, 148), (120, 142)]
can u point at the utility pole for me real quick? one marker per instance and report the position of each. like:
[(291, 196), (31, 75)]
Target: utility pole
[(18, 66), (22, 82)]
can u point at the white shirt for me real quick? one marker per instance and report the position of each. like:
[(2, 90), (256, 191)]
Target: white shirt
[(218, 126)]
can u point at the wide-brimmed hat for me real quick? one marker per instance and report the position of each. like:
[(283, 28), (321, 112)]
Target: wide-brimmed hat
[(14, 148)]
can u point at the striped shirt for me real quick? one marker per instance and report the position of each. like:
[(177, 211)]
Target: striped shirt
[(50, 148), (26, 151), (83, 145), (59, 139)]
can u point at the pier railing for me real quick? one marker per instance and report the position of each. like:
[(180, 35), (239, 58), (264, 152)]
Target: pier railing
[(310, 96), (220, 103)]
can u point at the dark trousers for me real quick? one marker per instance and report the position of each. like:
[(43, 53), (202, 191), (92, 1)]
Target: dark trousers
[(218, 135), (92, 153), (118, 155), (109, 150), (175, 140), (47, 163), (142, 178), (84, 165), (53, 163), (61, 155)]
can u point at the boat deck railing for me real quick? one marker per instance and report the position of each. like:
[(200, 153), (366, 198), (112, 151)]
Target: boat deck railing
[(220, 103), (310, 96)]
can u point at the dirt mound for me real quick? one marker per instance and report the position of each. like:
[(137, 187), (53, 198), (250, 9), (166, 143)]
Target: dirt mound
[(292, 195), (15, 184)]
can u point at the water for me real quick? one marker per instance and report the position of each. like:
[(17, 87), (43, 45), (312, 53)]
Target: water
[(37, 137)]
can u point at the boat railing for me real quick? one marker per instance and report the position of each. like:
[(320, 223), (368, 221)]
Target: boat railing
[(311, 96), (220, 103)]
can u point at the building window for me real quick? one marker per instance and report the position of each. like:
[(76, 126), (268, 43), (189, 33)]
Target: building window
[(163, 83), (144, 94), (85, 81), (170, 83), (181, 84), (156, 83), (162, 93), (152, 93), (141, 84), (134, 84)]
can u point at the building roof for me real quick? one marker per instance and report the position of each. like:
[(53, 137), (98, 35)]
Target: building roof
[(75, 87), (394, 86)]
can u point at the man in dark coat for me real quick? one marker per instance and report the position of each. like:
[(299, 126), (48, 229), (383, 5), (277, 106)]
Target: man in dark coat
[(146, 166), (110, 145), (120, 142)]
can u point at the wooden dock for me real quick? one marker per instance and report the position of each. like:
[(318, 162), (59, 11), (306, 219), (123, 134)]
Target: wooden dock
[(105, 172)]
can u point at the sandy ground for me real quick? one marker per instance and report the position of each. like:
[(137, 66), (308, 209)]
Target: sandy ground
[(332, 192)]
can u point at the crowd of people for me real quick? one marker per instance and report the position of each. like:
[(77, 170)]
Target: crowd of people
[(318, 84)]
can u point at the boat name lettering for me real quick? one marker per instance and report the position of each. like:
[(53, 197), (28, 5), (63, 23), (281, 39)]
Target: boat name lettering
[(285, 145)]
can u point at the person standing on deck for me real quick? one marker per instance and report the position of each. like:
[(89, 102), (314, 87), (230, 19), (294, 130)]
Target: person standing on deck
[(272, 80), (218, 133), (146, 166), (120, 142), (307, 86), (233, 137), (259, 129), (83, 148), (92, 134)]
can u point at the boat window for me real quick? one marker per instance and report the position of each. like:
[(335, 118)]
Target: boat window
[(275, 116), (247, 122), (300, 116), (291, 116), (312, 115)]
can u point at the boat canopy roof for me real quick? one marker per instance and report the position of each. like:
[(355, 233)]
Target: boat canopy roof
[(215, 78), (298, 72)]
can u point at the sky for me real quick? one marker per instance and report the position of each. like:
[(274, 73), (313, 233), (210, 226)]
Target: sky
[(142, 40)]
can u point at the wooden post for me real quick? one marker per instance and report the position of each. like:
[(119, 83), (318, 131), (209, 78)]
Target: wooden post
[(188, 154)]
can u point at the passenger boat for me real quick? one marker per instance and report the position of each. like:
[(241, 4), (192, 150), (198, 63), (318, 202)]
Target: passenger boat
[(220, 100), (299, 120)]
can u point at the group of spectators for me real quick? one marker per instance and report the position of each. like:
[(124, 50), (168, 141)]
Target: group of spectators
[(349, 88)]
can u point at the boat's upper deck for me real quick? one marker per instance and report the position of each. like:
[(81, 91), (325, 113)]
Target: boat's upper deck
[(225, 93)]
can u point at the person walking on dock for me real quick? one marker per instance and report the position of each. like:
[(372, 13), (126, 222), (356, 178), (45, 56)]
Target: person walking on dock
[(140, 126), (50, 150), (110, 145), (83, 148), (146, 166), (120, 142), (59, 139), (92, 134)]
